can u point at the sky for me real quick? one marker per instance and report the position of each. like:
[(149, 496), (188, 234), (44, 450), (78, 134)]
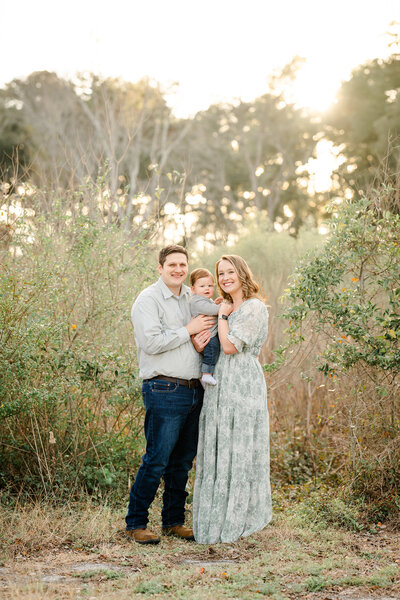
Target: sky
[(217, 50)]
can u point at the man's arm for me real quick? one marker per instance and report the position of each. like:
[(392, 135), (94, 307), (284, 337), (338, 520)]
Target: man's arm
[(152, 337), (149, 332)]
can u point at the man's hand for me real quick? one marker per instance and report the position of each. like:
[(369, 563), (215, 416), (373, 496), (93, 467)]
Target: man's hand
[(199, 323), (201, 339)]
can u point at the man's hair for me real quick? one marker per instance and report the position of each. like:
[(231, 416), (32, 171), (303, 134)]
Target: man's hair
[(198, 274), (164, 252)]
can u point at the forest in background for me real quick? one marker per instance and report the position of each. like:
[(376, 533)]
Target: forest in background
[(97, 174), (199, 178)]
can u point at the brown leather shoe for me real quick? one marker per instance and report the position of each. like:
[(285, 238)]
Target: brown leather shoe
[(179, 531), (142, 536)]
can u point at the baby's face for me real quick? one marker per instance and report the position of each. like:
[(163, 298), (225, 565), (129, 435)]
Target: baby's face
[(204, 286)]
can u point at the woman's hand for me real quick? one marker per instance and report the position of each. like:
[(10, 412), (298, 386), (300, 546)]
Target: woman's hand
[(225, 309)]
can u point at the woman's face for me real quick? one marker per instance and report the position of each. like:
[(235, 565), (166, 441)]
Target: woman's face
[(228, 279)]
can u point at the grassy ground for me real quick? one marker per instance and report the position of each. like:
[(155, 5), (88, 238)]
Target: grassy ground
[(80, 552)]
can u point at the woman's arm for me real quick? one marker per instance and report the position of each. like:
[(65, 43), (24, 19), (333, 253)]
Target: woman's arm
[(223, 328)]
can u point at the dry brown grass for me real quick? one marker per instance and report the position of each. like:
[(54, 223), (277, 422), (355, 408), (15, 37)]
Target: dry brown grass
[(343, 429), (27, 529), (81, 553)]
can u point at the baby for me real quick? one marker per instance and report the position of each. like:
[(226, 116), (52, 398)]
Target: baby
[(201, 303)]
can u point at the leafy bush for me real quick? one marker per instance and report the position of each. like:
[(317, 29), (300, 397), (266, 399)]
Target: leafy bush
[(292, 460), (323, 509), (70, 409), (352, 288), (348, 294)]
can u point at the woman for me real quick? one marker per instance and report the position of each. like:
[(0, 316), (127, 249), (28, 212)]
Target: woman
[(232, 495)]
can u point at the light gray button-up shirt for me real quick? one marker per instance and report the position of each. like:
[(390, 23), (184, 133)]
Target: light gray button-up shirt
[(162, 340)]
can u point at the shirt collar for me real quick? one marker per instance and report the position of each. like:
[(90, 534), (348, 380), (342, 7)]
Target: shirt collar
[(166, 292)]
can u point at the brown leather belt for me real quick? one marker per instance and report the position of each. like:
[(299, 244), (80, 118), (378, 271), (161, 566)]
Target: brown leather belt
[(190, 383)]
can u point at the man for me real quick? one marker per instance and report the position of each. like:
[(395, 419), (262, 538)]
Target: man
[(172, 394)]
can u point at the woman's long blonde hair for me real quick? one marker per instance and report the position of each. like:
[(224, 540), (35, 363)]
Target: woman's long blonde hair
[(249, 287)]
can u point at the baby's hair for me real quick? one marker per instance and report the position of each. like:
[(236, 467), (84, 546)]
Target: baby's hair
[(198, 274)]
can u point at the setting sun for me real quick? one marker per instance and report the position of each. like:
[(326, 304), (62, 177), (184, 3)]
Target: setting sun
[(315, 88)]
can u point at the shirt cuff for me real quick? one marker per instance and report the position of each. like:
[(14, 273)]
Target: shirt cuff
[(183, 334)]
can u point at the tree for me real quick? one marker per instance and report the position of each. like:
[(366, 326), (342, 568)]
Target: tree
[(76, 130), (212, 171), (248, 159), (48, 109), (239, 160), (13, 135), (365, 117), (275, 143)]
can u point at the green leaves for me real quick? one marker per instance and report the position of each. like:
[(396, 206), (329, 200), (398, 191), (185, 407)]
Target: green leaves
[(70, 405), (351, 287)]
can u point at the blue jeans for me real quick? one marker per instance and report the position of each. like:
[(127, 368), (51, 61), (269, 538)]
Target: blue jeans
[(210, 355), (171, 429)]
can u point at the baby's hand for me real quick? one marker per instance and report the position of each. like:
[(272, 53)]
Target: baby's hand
[(218, 300), (225, 309)]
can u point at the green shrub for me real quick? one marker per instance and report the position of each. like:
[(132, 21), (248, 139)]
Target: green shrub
[(292, 459), (352, 288), (324, 509), (348, 294), (70, 402)]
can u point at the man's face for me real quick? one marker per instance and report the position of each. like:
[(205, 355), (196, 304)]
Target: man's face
[(174, 270)]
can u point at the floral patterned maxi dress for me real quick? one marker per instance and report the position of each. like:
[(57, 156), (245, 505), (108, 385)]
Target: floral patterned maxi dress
[(232, 494)]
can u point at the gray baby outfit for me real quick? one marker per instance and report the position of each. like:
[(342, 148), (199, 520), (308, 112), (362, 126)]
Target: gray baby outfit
[(199, 305)]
